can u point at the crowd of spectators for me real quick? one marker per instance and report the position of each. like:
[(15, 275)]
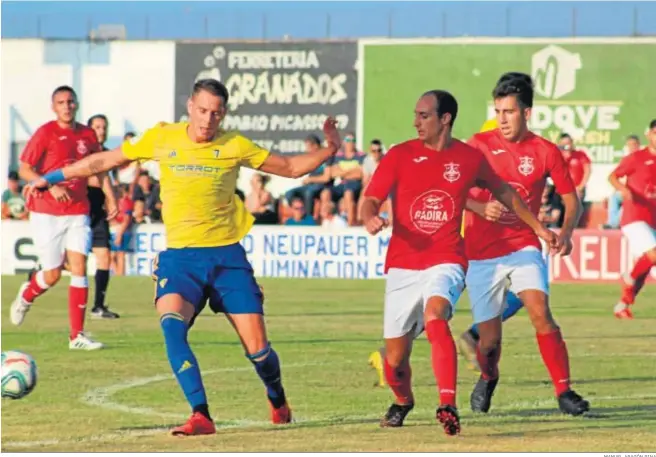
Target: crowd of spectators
[(328, 197)]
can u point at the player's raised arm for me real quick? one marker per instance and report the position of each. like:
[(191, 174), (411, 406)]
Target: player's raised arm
[(90, 165), (135, 149), (302, 164)]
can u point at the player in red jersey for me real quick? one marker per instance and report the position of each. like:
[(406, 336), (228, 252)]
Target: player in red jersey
[(638, 221), (506, 254), (429, 179), (578, 164), (59, 217)]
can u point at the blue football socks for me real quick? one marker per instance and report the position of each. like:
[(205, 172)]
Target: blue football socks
[(183, 362), (267, 366)]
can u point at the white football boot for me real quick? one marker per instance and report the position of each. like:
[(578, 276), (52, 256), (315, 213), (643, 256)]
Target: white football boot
[(84, 343), (20, 307)]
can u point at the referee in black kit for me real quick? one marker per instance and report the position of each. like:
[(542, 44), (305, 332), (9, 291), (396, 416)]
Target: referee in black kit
[(102, 201)]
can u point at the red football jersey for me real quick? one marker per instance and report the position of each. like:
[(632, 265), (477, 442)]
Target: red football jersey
[(525, 166), (575, 163), (52, 147), (429, 190), (640, 171)]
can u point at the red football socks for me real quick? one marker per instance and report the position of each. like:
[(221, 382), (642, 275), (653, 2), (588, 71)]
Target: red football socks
[(400, 381), (639, 275), (77, 304), (36, 287), (489, 363), (554, 354), (444, 358)]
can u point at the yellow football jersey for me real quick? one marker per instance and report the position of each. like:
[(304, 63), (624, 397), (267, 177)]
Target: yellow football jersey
[(197, 183)]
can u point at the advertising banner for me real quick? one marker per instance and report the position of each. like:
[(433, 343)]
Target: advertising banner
[(279, 92), (594, 90), (313, 252)]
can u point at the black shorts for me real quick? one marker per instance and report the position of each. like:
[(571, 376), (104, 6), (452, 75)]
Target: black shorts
[(100, 236)]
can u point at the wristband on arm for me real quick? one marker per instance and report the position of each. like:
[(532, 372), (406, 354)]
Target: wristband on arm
[(54, 177)]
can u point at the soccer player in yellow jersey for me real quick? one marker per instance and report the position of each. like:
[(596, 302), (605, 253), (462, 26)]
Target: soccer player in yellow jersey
[(468, 341), (205, 221)]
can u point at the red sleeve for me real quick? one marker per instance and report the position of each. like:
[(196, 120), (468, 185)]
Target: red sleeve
[(94, 146), (583, 157), (626, 166), (384, 178), (486, 177), (475, 143), (35, 149), (559, 172)]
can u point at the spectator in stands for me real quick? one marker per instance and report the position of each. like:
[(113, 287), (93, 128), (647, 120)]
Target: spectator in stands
[(299, 216), (139, 213), (578, 162), (259, 201), (369, 166), (551, 209), (631, 145), (329, 217), (315, 182), (13, 203), (348, 169), (122, 229), (147, 191)]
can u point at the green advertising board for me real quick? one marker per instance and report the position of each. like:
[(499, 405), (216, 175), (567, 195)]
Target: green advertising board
[(598, 91)]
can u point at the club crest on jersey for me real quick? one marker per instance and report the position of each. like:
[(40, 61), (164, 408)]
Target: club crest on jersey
[(526, 166), (431, 210), (452, 171), (82, 147)]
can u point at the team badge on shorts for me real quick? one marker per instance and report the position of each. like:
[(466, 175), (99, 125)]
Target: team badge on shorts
[(431, 210)]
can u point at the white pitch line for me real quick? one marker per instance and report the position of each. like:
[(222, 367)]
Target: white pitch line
[(100, 397), (246, 424)]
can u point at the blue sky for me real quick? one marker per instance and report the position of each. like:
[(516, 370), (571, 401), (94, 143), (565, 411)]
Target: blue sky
[(272, 20)]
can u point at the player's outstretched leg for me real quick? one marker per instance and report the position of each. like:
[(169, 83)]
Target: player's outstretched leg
[(30, 291), (633, 283), (398, 373), (445, 361), (267, 367), (468, 341), (187, 372), (554, 352), (247, 319)]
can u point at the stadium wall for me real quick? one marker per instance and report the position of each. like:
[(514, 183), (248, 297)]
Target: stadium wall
[(130, 82), (313, 252)]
